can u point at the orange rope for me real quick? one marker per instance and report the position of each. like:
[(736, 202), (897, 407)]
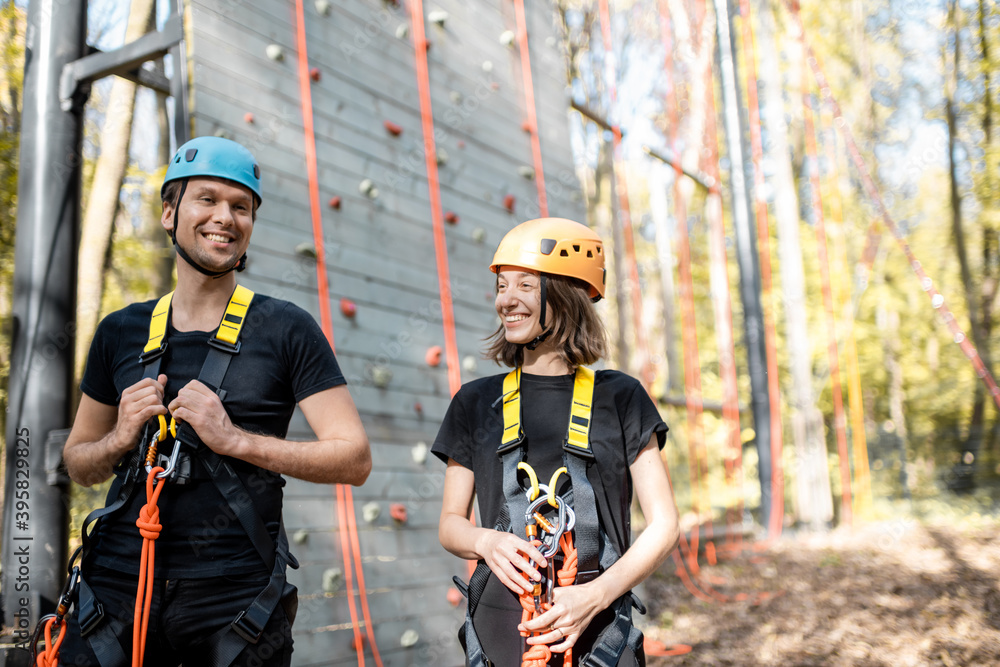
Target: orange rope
[(352, 527), (840, 420), (529, 101), (624, 211), (50, 656), (538, 655), (420, 45), (305, 89), (149, 527), (344, 497)]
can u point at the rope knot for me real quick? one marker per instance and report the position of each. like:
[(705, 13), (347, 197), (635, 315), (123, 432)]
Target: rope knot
[(536, 656), (149, 522)]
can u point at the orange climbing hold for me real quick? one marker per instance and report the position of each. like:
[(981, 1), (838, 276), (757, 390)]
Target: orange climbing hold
[(451, 217), (508, 203), (398, 512), (248, 118), (335, 202), (314, 74), (392, 128), (348, 307), (433, 356), (454, 596)]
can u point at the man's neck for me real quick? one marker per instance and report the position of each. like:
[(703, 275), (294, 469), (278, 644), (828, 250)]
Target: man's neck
[(200, 301)]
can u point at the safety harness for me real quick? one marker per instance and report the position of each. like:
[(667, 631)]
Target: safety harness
[(101, 629), (595, 552)]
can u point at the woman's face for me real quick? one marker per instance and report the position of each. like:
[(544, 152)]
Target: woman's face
[(518, 303)]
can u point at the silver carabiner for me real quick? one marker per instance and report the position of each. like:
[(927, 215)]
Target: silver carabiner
[(168, 463), (549, 548)]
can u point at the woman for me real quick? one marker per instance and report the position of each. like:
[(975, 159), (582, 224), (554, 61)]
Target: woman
[(502, 433)]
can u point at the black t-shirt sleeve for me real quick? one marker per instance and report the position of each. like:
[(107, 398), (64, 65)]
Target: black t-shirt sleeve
[(98, 376), (640, 421), (309, 358), (454, 438)]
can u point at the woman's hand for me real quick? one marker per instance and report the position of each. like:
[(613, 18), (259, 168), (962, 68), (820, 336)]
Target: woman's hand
[(513, 560), (573, 608)]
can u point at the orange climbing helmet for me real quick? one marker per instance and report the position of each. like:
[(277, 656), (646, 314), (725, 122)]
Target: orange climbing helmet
[(555, 246)]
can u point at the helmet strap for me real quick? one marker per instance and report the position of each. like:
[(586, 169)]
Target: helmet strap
[(540, 338), (240, 264)]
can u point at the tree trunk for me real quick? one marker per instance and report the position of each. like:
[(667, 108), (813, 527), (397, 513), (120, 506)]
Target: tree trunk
[(815, 501), (102, 202)]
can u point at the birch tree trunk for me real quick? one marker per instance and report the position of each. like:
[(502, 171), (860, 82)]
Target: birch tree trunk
[(102, 202)]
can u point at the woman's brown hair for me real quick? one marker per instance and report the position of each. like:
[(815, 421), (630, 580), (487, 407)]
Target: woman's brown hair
[(577, 331)]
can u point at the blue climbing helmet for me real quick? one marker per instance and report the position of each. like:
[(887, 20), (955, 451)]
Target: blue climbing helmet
[(218, 157), (215, 157)]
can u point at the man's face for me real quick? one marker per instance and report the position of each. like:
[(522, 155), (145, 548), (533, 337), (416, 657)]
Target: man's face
[(214, 220)]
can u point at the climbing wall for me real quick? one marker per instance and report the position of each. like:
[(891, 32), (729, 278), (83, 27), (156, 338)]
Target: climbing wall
[(367, 214)]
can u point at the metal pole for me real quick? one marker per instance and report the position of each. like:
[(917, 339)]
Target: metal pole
[(35, 507), (747, 257)]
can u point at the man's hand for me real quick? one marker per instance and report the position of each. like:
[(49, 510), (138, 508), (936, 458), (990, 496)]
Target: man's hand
[(200, 408)]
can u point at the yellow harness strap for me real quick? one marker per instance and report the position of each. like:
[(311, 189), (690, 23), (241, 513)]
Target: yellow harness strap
[(578, 434), (228, 331)]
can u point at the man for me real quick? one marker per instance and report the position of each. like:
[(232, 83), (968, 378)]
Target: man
[(218, 594)]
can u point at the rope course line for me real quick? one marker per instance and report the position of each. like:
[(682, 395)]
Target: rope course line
[(840, 421), (937, 299), (345, 499), (624, 210), (529, 102)]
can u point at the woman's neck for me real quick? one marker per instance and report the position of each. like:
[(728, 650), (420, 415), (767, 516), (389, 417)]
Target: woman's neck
[(544, 361)]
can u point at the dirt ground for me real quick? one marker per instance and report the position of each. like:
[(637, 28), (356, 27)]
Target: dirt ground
[(894, 593)]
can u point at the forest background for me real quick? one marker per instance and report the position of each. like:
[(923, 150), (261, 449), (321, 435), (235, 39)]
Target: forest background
[(917, 93)]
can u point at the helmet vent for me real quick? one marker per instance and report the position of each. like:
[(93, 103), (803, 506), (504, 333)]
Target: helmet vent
[(547, 246), (590, 254), (563, 253), (256, 170), (190, 153), (576, 248)]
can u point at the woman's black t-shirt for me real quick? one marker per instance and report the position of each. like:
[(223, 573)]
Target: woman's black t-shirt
[(284, 357), (623, 421)]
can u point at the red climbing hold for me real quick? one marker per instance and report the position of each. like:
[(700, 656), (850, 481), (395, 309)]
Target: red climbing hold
[(248, 117), (392, 128), (527, 126), (398, 512), (358, 643), (433, 356), (454, 596), (348, 307), (335, 202), (451, 217), (460, 144), (508, 203), (314, 74), (418, 407)]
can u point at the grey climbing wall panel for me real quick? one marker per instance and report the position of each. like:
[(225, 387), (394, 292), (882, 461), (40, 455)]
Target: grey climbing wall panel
[(380, 256)]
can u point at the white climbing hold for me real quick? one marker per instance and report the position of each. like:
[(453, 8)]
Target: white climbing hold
[(419, 452), (331, 579), (438, 16), (402, 30), (275, 52), (409, 638), (507, 37), (324, 7), (487, 66), (371, 511), (469, 364), (306, 250), (455, 96), (526, 172), (368, 189), (301, 536), (381, 376), (478, 234), (442, 156)]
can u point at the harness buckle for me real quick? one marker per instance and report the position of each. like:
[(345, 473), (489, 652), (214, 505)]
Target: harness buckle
[(245, 627), (152, 355), (224, 346)]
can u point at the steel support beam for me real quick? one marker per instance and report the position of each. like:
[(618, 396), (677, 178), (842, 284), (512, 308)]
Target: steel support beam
[(41, 370)]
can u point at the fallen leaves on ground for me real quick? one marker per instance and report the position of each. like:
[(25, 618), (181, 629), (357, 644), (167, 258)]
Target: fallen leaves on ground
[(894, 593)]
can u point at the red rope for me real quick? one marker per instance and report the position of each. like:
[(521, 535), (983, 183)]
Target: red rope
[(937, 299), (764, 249), (420, 45), (624, 211), (345, 499), (538, 655), (840, 420), (529, 102)]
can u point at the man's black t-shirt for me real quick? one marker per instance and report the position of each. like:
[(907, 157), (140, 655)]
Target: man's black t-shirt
[(623, 421), (284, 357)]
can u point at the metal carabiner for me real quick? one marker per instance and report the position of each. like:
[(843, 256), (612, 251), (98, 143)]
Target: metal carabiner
[(167, 463), (549, 545)]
